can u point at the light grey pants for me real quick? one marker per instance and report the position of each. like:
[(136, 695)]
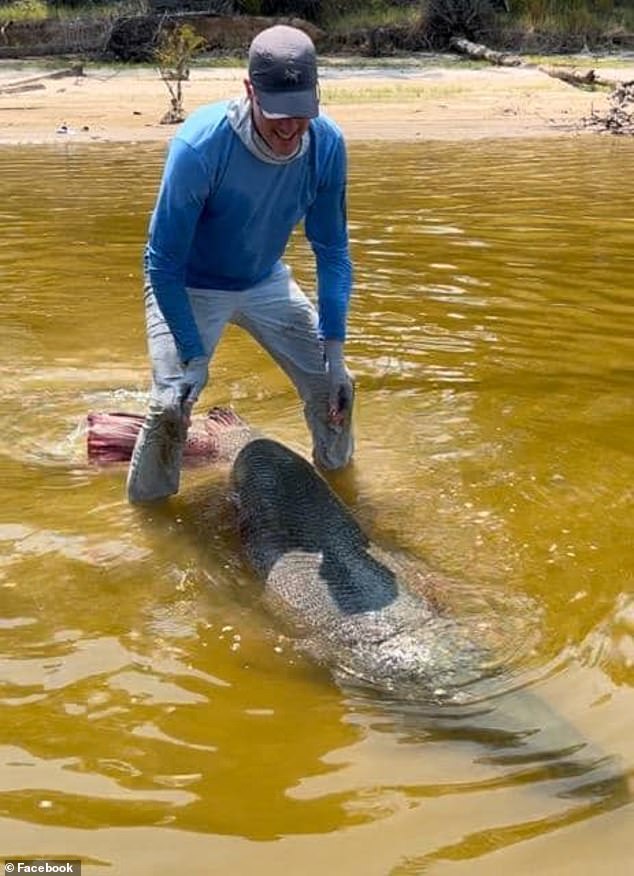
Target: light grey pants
[(282, 319)]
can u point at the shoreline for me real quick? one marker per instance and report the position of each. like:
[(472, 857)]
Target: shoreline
[(408, 104)]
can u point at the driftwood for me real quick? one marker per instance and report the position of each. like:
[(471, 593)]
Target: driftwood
[(479, 52), (580, 78), (570, 75), (20, 89), (619, 118), (29, 83)]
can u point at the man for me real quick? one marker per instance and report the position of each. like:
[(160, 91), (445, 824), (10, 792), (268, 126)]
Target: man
[(238, 177)]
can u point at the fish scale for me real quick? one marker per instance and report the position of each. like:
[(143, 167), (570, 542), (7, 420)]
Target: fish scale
[(345, 600)]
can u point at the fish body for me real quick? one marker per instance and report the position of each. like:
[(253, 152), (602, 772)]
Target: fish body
[(370, 615)]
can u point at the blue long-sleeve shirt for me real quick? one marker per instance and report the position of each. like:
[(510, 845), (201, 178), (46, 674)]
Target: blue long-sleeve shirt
[(223, 218)]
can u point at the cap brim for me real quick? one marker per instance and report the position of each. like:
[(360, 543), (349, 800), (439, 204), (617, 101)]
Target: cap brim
[(290, 104)]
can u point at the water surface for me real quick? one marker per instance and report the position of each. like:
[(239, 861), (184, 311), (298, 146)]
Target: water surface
[(151, 715)]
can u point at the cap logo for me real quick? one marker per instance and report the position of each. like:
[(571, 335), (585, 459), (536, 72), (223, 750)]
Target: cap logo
[(291, 75)]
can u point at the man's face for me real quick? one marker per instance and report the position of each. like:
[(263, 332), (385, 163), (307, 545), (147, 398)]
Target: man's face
[(283, 136)]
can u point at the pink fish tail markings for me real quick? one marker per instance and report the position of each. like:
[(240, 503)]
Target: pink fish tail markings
[(110, 437)]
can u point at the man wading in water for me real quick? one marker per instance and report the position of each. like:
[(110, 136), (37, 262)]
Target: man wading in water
[(238, 177)]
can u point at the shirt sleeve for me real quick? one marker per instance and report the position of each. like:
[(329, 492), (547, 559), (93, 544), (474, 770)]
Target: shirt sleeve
[(327, 230), (184, 190)]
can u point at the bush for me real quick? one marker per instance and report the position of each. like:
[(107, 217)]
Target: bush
[(443, 19)]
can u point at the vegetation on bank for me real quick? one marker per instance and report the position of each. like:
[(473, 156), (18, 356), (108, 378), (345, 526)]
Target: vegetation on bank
[(381, 27)]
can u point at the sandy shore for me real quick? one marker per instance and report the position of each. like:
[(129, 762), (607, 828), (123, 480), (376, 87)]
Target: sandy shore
[(428, 103)]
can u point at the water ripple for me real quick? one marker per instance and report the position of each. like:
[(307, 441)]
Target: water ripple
[(491, 338)]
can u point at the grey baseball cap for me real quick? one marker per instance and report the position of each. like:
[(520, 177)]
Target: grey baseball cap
[(283, 72)]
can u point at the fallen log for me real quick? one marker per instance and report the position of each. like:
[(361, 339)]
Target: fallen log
[(20, 89), (579, 78), (570, 75), (479, 52), (619, 118), (11, 87)]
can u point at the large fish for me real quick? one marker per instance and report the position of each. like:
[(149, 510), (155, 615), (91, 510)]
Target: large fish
[(372, 616), (375, 618)]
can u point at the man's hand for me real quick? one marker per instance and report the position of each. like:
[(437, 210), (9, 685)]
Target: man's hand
[(340, 385), (194, 381)]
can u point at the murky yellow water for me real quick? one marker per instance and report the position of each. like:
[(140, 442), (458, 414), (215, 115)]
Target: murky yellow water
[(150, 718)]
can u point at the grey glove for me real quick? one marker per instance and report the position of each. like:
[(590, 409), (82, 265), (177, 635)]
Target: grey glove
[(340, 385), (194, 380)]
